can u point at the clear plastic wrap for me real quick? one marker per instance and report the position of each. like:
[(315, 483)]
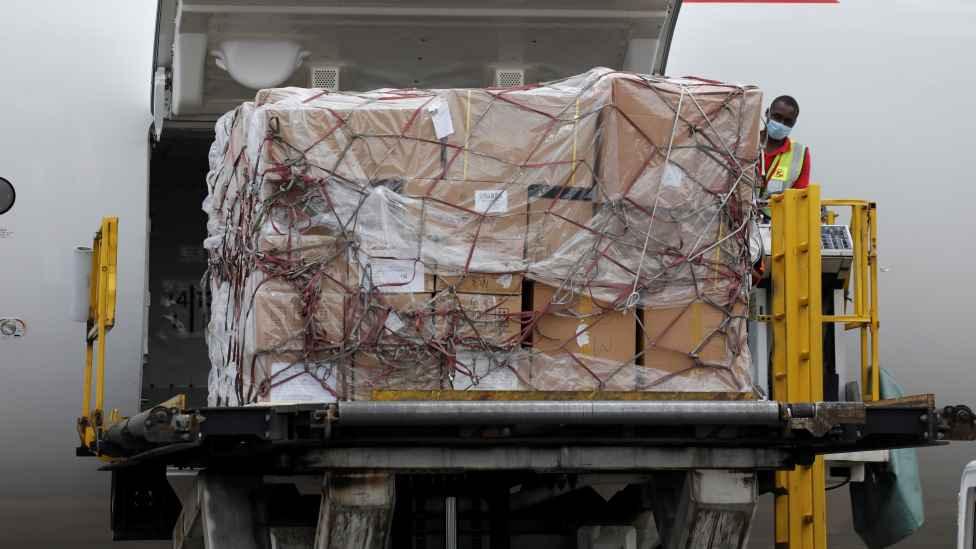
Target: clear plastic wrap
[(586, 234)]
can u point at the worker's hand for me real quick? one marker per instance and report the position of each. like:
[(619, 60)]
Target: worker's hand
[(758, 270)]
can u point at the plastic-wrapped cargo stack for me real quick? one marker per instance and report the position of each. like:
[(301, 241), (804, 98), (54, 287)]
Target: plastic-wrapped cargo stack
[(589, 234)]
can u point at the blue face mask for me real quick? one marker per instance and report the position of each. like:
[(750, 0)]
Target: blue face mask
[(776, 130)]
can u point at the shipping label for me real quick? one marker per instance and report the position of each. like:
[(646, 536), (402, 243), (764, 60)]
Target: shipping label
[(491, 201)]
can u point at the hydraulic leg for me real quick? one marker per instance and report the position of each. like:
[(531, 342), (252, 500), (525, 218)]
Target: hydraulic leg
[(356, 511), (223, 512), (707, 509)]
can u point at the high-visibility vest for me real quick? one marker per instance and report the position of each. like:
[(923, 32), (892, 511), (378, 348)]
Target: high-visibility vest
[(786, 168)]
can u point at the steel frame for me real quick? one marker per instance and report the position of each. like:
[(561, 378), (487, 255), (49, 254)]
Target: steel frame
[(314, 440)]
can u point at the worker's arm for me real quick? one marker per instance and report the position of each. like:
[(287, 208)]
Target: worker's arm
[(804, 178)]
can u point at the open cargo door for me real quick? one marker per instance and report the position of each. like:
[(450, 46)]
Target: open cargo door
[(211, 55)]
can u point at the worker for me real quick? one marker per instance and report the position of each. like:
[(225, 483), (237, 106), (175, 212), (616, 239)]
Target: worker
[(786, 163)]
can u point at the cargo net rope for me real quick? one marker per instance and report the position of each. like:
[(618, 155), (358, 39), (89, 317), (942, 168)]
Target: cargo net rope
[(589, 234)]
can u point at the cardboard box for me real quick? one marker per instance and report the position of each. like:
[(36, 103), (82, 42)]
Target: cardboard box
[(397, 139), (565, 372), (640, 128), (557, 216), (393, 370), (694, 348), (303, 247), (523, 134), (471, 225), (359, 138), (482, 283), (533, 135), (278, 318), (286, 378), (543, 133), (581, 326), (487, 371), (396, 276), (477, 320), (396, 319)]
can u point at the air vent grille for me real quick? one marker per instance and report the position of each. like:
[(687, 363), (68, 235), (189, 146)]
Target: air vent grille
[(509, 78), (326, 78)]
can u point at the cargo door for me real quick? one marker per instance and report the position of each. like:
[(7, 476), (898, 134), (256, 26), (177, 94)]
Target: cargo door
[(213, 54)]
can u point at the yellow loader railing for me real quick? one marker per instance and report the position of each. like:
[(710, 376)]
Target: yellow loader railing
[(864, 232), (101, 319), (102, 284)]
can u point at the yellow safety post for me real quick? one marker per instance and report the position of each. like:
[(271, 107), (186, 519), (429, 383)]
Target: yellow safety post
[(872, 213), (798, 356), (101, 319), (861, 267)]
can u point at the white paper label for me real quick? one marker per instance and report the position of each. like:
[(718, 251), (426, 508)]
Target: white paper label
[(398, 276), (302, 387), (582, 335), (393, 322), (493, 201), (440, 114), (488, 375), (673, 176)]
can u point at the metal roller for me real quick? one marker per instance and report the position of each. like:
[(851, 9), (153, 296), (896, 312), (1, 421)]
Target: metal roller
[(559, 412), (136, 432)]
